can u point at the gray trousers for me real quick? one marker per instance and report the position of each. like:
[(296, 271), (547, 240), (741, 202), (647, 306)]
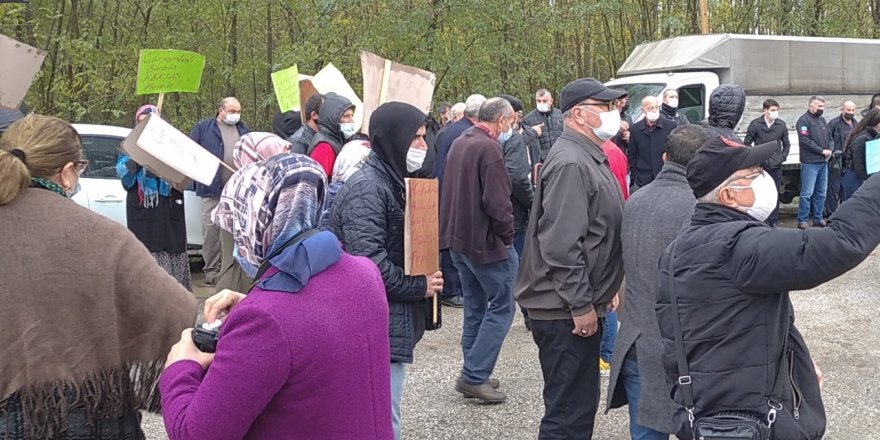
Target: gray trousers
[(211, 241)]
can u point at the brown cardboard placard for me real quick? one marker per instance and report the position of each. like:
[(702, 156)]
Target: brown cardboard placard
[(20, 65), (386, 81), (421, 227)]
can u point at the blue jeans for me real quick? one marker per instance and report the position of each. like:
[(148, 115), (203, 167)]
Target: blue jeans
[(398, 374), (851, 182), (519, 243), (451, 283), (609, 335), (487, 291), (633, 385), (814, 183)]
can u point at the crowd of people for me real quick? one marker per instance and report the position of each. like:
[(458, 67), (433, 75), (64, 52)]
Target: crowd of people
[(570, 212)]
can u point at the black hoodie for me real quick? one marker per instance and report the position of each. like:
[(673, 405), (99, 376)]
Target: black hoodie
[(726, 107), (328, 122), (286, 124), (392, 128)]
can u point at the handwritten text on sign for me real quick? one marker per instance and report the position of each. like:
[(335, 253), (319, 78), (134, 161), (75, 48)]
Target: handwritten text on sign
[(20, 64), (286, 84), (177, 150), (161, 71), (421, 230)]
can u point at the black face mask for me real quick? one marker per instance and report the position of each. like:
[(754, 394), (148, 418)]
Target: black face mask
[(819, 113), (847, 116)]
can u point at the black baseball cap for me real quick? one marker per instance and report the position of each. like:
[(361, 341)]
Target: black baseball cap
[(514, 102), (578, 90), (719, 158)]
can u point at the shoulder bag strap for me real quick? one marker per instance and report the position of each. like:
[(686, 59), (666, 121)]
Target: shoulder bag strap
[(684, 375)]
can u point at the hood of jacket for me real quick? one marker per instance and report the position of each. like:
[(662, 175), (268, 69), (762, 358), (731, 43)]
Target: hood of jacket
[(286, 124), (328, 120), (392, 128), (726, 106)]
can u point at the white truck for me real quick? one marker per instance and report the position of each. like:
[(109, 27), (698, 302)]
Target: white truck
[(787, 69)]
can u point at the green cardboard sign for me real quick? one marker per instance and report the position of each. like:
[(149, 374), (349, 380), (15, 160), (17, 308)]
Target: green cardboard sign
[(161, 71), (286, 84)]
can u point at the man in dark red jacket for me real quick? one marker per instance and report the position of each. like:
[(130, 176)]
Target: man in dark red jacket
[(476, 225)]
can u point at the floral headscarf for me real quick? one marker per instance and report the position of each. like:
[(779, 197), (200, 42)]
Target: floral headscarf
[(256, 146), (265, 204)]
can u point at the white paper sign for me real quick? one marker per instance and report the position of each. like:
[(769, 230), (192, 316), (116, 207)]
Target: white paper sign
[(177, 150), (330, 79), (19, 64)]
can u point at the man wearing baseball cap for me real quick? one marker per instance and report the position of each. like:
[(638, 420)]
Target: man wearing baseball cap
[(732, 275), (572, 265)]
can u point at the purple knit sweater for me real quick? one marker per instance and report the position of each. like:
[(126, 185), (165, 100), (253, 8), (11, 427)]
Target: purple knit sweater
[(307, 365)]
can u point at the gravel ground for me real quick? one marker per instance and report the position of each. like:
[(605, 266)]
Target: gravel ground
[(837, 320)]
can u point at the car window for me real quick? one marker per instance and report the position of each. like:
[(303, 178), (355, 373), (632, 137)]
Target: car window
[(636, 93), (690, 102), (102, 153)]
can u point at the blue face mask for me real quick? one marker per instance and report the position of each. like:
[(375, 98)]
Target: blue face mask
[(76, 189), (504, 137)]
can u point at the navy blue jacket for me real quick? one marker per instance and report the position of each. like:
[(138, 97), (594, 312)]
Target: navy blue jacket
[(813, 137), (444, 143), (646, 147), (207, 134)]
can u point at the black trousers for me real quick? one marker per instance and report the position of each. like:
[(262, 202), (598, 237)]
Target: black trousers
[(570, 365)]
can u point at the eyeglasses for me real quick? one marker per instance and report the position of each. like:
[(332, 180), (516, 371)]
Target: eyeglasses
[(750, 177), (603, 105), (81, 165)]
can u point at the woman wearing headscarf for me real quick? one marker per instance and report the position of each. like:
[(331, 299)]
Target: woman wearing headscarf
[(351, 159), (154, 212), (299, 357), (368, 219), (88, 316), (253, 147)]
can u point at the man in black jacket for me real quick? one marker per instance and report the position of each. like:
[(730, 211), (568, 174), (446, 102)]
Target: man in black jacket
[(547, 118), (367, 218), (647, 142), (669, 108), (769, 128), (726, 106), (840, 127), (814, 141), (302, 138), (732, 275)]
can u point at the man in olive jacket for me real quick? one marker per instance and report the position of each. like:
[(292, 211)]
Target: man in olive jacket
[(732, 275), (572, 265)]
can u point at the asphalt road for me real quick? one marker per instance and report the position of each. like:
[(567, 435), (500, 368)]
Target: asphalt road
[(837, 319)]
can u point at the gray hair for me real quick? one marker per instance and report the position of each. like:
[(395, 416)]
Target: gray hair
[(712, 196), (494, 109), (458, 109), (472, 105), (817, 98), (227, 100)]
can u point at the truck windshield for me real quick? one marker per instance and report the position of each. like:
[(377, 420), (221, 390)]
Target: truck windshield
[(636, 92)]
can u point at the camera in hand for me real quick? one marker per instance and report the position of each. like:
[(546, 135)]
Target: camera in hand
[(206, 335)]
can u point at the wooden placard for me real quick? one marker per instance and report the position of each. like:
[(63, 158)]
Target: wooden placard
[(421, 229)]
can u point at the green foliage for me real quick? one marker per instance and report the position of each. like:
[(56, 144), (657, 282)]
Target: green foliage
[(473, 46)]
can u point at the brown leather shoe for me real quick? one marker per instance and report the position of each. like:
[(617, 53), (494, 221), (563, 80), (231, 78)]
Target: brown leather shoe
[(494, 383), (803, 225), (485, 392), (820, 224)]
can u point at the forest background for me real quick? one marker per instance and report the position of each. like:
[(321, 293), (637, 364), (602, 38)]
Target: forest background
[(473, 46)]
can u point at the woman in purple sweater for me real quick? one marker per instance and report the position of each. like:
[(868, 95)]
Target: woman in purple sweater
[(305, 354)]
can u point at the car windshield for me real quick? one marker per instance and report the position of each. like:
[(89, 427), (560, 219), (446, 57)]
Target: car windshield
[(636, 92)]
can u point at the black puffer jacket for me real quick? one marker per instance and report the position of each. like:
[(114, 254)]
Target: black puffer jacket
[(733, 275), (551, 130), (328, 122), (726, 107), (368, 218)]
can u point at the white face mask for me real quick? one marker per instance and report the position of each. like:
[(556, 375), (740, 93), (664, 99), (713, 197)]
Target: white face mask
[(610, 124), (773, 115), (766, 196), (544, 108), (652, 116), (347, 129), (673, 102), (232, 118), (414, 159)]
